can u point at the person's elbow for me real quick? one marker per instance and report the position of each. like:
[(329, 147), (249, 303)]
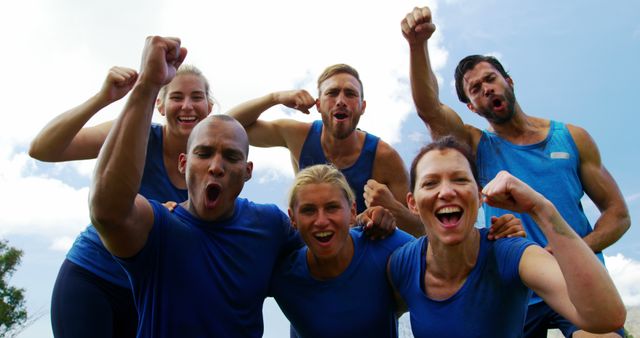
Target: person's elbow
[(37, 152), (613, 320)]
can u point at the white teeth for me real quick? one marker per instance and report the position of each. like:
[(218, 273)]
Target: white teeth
[(187, 118), (448, 210), (323, 234)]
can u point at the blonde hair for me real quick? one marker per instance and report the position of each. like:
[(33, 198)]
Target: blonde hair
[(187, 69), (318, 174), (339, 68)]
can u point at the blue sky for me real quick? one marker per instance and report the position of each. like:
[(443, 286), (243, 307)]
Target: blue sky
[(574, 61)]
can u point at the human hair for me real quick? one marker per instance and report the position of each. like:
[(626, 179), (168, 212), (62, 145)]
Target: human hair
[(467, 64), (220, 118), (444, 143), (318, 174), (339, 69), (187, 69)]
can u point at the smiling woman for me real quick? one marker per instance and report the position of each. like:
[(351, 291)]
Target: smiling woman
[(340, 273), (92, 294), (456, 272)]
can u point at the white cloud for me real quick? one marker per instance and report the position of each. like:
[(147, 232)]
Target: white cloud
[(62, 244), (37, 205), (632, 198), (625, 273)]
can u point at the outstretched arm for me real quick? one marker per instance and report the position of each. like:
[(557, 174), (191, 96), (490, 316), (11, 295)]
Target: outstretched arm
[(600, 186), (441, 120), (122, 217), (65, 139), (574, 283), (277, 133)]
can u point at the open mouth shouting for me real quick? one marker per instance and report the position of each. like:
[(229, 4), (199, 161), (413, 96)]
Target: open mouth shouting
[(497, 104), (341, 115), (212, 194), (449, 216)]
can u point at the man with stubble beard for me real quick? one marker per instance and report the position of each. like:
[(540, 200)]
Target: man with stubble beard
[(374, 169), (559, 160)]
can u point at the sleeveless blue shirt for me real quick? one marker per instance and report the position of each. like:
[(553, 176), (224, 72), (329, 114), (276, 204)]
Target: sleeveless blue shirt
[(357, 175), (550, 167), (88, 251)]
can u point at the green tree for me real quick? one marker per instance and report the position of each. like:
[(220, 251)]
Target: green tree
[(13, 312)]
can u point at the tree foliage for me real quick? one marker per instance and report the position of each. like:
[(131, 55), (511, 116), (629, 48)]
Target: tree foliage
[(13, 312)]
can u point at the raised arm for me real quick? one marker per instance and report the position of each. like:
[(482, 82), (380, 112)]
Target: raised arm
[(122, 217), (65, 139), (572, 281), (440, 119), (277, 133), (614, 218), (388, 188)]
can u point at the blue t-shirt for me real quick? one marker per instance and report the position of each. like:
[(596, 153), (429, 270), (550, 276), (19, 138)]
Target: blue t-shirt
[(357, 175), (358, 303), (88, 250), (492, 302), (208, 279)]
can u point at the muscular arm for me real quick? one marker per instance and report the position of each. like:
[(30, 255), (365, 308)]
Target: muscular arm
[(278, 133), (122, 217), (389, 187), (600, 186), (583, 293), (440, 119), (65, 139)]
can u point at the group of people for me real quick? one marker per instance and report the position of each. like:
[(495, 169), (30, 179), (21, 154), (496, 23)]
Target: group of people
[(344, 262)]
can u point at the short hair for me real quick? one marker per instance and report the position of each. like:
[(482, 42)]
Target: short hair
[(210, 120), (339, 69), (187, 69), (444, 143), (467, 64), (318, 174)]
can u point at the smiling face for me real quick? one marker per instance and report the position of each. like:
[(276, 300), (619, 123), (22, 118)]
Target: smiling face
[(490, 94), (340, 104), (445, 196), (184, 103), (215, 167), (322, 214)]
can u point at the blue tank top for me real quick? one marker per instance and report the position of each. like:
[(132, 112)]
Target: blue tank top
[(88, 251), (357, 175), (551, 167)]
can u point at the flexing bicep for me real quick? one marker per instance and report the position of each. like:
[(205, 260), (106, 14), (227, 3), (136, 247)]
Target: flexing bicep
[(278, 133), (59, 145), (87, 143)]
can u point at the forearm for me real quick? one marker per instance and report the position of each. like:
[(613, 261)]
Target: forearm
[(609, 228), (50, 144), (247, 113), (407, 221), (424, 85), (590, 288), (121, 161)]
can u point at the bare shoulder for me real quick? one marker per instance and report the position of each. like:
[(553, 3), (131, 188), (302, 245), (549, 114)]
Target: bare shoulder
[(587, 147), (388, 165)]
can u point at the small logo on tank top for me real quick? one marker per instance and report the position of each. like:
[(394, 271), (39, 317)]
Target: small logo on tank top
[(560, 155)]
